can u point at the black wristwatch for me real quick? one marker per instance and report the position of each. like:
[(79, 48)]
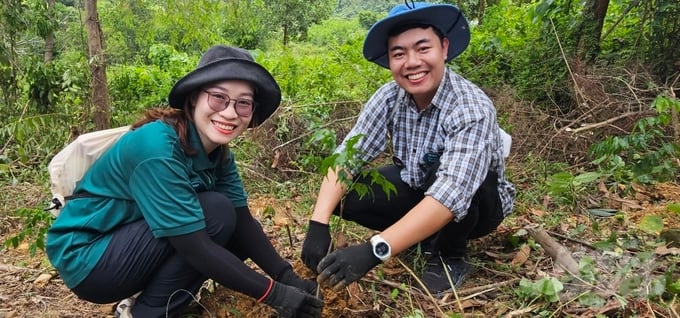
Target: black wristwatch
[(381, 249)]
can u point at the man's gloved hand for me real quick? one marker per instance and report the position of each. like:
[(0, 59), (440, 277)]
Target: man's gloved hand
[(291, 302), (316, 245), (344, 266), (290, 278)]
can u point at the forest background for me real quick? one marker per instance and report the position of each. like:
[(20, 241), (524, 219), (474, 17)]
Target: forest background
[(587, 88)]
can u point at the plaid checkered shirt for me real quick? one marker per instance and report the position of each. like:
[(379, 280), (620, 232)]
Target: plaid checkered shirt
[(459, 128)]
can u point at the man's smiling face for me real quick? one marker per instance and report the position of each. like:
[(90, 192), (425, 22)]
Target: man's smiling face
[(417, 60)]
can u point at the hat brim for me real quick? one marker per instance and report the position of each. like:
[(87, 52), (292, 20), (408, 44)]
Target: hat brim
[(267, 91), (447, 18)]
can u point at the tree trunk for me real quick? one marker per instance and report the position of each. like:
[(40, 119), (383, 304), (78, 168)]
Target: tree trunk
[(590, 29), (480, 11), (49, 38), (95, 40)]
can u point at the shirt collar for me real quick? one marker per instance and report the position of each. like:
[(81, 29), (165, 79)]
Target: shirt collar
[(201, 159)]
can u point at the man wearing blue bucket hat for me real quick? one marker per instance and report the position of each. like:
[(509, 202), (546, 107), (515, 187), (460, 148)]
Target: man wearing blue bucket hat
[(448, 165)]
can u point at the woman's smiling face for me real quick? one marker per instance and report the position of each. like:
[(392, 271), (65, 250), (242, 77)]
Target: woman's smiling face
[(217, 125)]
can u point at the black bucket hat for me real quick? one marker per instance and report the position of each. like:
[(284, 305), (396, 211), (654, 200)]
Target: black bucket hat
[(221, 63), (445, 17)]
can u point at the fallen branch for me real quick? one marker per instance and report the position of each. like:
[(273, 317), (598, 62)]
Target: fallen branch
[(560, 254), (606, 122)]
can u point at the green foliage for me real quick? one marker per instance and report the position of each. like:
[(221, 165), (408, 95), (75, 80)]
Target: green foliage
[(245, 25), (661, 50), (352, 8), (587, 269), (492, 58), (129, 26), (547, 288), (568, 188), (28, 148), (35, 222), (133, 88), (349, 160), (294, 17), (632, 271), (647, 154)]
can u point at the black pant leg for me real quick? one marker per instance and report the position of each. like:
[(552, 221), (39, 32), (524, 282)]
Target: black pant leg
[(136, 261), (483, 216)]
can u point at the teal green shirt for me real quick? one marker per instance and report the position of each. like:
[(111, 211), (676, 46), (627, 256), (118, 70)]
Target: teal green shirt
[(145, 175)]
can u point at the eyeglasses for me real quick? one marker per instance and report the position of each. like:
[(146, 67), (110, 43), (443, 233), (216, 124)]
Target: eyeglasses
[(219, 102)]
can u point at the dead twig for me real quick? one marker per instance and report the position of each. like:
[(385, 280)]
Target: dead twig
[(562, 236), (606, 122), (521, 311), (473, 290)]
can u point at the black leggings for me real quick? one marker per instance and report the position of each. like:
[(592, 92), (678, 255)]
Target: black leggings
[(377, 212), (134, 260)]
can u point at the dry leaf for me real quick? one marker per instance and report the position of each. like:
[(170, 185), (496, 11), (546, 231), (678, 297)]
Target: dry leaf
[(664, 250), (521, 256), (537, 212), (280, 217), (43, 279)]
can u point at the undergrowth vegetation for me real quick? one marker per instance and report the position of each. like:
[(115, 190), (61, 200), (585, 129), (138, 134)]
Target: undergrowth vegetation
[(591, 134)]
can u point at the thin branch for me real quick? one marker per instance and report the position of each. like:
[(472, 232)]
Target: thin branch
[(312, 131), (605, 123), (584, 243)]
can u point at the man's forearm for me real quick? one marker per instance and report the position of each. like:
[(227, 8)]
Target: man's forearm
[(330, 193), (425, 219)]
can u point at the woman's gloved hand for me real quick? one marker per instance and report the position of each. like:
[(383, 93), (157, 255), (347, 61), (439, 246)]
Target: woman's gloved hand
[(291, 302), (289, 277)]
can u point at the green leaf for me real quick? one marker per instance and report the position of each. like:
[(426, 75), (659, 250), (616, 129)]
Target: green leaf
[(657, 287), (587, 177), (652, 224), (549, 288), (674, 207), (629, 285), (602, 212), (674, 287), (591, 300)]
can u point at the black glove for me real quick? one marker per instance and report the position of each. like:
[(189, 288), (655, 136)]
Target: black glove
[(290, 278), (346, 265), (316, 245), (291, 302)]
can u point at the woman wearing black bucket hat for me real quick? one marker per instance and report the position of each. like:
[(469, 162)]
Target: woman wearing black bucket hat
[(164, 208)]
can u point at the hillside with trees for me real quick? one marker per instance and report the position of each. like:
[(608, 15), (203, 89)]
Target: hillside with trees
[(587, 89)]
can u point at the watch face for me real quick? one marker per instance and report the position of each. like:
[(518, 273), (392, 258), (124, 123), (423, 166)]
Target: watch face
[(382, 249)]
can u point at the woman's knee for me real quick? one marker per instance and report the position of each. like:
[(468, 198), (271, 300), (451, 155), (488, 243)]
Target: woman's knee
[(219, 213)]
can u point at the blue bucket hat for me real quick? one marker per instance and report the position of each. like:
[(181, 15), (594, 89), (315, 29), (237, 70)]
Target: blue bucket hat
[(445, 17)]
